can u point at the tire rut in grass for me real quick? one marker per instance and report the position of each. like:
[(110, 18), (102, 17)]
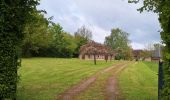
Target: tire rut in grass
[(112, 90), (83, 85)]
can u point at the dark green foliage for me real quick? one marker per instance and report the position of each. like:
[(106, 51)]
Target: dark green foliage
[(63, 44), (44, 40), (58, 34), (118, 57), (13, 16), (162, 7), (36, 35)]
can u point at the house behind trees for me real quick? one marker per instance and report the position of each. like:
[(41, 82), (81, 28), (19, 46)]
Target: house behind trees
[(93, 50)]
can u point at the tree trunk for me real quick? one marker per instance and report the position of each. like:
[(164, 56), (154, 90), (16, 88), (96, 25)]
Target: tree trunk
[(106, 57), (95, 59), (111, 57)]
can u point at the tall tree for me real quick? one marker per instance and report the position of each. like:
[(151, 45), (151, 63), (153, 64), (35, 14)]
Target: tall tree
[(69, 45), (162, 7), (57, 32), (118, 40), (82, 36), (37, 35), (84, 33), (63, 42), (14, 15)]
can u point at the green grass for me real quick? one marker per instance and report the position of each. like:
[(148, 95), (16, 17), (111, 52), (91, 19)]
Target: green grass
[(139, 81), (152, 65), (46, 78), (97, 90)]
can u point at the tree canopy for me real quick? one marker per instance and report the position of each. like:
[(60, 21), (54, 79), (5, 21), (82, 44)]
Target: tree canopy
[(118, 41), (82, 36), (43, 38), (36, 35)]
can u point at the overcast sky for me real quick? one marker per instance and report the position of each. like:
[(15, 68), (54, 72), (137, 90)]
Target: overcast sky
[(102, 15)]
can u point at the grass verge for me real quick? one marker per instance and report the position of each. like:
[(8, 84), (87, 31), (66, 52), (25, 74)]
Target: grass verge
[(46, 78), (139, 81)]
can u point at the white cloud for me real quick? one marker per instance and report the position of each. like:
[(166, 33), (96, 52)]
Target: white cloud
[(137, 46), (99, 33), (102, 15)]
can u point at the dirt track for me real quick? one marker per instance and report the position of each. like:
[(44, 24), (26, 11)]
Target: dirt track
[(112, 88), (112, 91)]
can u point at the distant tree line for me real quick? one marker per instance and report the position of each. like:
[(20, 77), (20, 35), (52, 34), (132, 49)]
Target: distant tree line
[(44, 38)]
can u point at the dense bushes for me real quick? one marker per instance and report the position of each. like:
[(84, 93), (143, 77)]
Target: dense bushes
[(14, 14)]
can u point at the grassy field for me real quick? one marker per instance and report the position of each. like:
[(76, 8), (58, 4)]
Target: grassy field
[(97, 90), (46, 78), (140, 81)]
